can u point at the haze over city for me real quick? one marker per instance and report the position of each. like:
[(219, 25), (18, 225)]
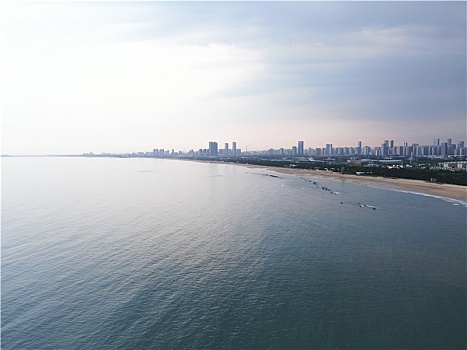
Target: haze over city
[(118, 76)]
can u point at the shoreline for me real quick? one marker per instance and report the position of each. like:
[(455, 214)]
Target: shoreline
[(455, 192)]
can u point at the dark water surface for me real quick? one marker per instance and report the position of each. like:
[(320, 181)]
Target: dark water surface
[(145, 253)]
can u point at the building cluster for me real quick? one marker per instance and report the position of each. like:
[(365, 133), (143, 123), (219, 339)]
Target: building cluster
[(213, 150), (386, 149), (461, 165)]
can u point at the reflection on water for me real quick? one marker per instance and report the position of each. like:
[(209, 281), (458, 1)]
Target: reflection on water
[(106, 253)]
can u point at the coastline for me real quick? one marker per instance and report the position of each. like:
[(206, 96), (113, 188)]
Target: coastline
[(454, 192)]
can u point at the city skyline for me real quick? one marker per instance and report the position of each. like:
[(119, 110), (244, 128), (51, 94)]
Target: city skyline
[(438, 147), (115, 76), (389, 148)]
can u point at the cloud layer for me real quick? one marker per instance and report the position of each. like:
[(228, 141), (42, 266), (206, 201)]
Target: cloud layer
[(120, 77)]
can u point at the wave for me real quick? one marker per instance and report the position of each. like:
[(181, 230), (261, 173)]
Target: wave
[(446, 199)]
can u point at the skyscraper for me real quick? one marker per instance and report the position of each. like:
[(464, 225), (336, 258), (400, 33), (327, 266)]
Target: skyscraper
[(213, 152), (385, 148), (300, 148), (444, 148), (328, 149), (226, 149), (234, 149)]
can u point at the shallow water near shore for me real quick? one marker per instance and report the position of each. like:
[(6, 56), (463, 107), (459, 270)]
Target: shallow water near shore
[(149, 253), (420, 187)]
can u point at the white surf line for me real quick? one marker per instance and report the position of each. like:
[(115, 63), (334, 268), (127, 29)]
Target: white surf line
[(447, 199), (370, 184)]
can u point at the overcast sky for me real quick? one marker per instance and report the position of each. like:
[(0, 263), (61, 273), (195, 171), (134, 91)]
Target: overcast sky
[(122, 77)]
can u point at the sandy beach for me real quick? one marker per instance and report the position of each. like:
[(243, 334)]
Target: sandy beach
[(434, 189)]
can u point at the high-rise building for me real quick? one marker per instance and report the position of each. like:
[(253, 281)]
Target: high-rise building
[(460, 148), (385, 148), (359, 148), (444, 149), (213, 151), (328, 149), (300, 148), (234, 149), (435, 142), (226, 149)]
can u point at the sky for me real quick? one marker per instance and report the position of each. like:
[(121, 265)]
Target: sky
[(133, 76)]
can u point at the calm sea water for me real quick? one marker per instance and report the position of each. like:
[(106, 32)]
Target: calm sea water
[(147, 253)]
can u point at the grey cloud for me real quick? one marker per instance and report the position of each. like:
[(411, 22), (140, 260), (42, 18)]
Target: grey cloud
[(242, 23), (417, 70)]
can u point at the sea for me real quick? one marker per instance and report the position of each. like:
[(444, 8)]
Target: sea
[(128, 253)]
